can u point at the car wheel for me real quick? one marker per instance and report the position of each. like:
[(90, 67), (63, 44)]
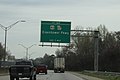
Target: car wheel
[(17, 78), (34, 77), (31, 77), (37, 73), (11, 78), (55, 71), (45, 72)]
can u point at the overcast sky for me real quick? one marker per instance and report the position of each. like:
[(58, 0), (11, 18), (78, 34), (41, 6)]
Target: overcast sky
[(86, 13)]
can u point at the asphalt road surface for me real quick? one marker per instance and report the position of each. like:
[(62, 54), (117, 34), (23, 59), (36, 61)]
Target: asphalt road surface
[(50, 76)]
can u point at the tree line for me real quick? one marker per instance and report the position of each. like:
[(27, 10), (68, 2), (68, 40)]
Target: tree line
[(5, 54), (2, 52), (80, 54)]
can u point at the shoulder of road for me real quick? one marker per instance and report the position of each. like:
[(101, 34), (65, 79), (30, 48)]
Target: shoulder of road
[(85, 77), (4, 74)]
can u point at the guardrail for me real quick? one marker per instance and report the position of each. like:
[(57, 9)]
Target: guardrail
[(6, 64)]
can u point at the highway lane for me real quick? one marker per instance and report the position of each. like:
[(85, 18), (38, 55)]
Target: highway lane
[(50, 76)]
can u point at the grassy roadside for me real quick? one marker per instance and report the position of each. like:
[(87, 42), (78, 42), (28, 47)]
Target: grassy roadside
[(105, 76), (3, 70)]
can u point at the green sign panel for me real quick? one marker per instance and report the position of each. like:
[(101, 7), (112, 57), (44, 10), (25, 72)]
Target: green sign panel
[(55, 31)]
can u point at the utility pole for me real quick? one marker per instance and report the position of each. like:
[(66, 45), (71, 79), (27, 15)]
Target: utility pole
[(6, 29), (96, 48)]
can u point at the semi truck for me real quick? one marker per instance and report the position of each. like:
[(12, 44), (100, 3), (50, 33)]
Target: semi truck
[(59, 64)]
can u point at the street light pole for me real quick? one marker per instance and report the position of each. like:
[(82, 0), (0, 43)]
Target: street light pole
[(27, 48), (6, 29), (30, 55), (5, 43)]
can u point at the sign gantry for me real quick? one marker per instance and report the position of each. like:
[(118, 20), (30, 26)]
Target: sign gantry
[(60, 32)]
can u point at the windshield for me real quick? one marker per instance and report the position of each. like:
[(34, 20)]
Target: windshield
[(23, 63)]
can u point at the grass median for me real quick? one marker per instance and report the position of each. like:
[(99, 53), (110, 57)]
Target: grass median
[(103, 75)]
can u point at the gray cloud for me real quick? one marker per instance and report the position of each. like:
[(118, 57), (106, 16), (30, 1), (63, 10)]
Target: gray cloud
[(80, 12), (81, 3), (38, 2)]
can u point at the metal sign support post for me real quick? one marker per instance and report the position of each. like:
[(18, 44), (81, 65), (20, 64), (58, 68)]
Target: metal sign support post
[(96, 54), (96, 44)]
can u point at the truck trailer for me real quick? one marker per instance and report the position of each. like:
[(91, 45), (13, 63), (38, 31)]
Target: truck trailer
[(59, 64)]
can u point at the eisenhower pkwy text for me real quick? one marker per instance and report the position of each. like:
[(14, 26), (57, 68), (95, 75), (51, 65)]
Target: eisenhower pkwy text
[(55, 33)]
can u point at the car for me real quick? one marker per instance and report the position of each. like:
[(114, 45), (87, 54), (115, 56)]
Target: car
[(41, 68), (22, 69)]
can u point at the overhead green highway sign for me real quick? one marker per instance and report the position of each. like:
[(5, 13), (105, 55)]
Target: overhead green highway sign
[(55, 31)]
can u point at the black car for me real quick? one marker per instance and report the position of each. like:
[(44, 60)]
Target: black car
[(22, 69)]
